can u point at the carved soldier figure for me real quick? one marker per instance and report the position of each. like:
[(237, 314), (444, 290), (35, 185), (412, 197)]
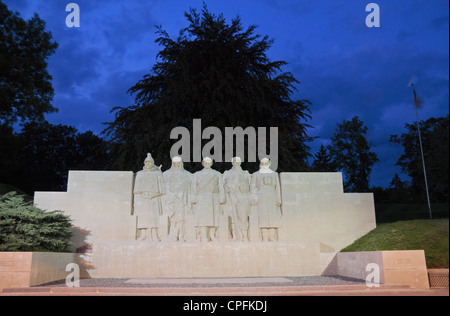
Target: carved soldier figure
[(237, 189), (148, 189), (266, 193), (209, 193), (177, 201)]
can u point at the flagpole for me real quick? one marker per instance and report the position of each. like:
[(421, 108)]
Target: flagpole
[(421, 151)]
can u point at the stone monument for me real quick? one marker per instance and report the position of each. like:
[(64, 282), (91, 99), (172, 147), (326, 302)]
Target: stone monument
[(178, 199), (159, 225), (209, 196), (238, 206), (148, 189), (266, 190)]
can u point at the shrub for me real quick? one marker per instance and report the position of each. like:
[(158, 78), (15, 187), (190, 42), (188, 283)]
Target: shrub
[(24, 227)]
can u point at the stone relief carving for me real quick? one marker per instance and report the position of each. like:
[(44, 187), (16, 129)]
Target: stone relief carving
[(266, 191), (205, 196), (148, 189), (178, 199), (238, 206), (209, 195)]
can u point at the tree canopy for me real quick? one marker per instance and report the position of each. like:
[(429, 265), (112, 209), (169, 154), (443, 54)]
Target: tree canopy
[(220, 73), (352, 154), (435, 140), (40, 156), (322, 161), (26, 90)]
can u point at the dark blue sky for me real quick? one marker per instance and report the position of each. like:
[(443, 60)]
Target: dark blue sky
[(344, 67)]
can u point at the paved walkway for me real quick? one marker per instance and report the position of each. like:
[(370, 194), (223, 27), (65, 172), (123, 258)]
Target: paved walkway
[(226, 291), (286, 286)]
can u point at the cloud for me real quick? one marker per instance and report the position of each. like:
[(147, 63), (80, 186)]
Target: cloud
[(440, 23), (345, 68), (96, 64), (371, 82)]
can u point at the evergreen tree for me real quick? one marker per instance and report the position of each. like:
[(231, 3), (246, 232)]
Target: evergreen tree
[(397, 183), (23, 227), (435, 140), (351, 152), (219, 73), (399, 191), (322, 161)]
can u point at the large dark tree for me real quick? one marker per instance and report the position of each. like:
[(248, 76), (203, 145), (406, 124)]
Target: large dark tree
[(435, 140), (25, 85), (219, 73), (350, 151), (41, 155), (323, 161)]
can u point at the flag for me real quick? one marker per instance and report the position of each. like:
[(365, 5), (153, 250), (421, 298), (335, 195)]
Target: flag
[(417, 100)]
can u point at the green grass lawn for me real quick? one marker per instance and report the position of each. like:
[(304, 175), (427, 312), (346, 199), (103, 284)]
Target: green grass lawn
[(429, 235)]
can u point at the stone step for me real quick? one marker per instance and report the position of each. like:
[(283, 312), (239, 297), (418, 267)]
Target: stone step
[(208, 291), (208, 281)]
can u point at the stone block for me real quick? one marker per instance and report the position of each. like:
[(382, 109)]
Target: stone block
[(23, 269), (406, 267), (397, 267), (142, 259), (98, 202)]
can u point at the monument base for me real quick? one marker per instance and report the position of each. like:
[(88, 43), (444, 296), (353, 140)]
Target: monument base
[(24, 269), (144, 259), (407, 267)]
